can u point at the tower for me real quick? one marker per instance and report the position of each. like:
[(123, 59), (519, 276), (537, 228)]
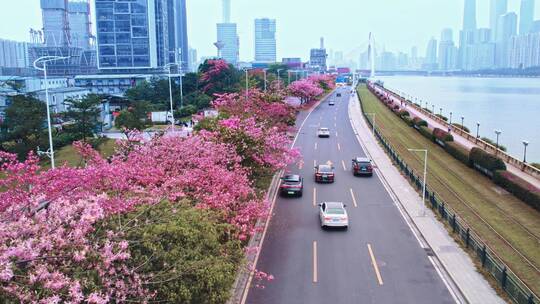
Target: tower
[(526, 17), (265, 40)]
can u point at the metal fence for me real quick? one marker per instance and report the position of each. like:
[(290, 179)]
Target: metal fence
[(506, 280)]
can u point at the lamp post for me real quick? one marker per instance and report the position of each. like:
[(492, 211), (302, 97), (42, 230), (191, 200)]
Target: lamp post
[(168, 66), (373, 124), (247, 80), (525, 144), (498, 132), (462, 123), (279, 84), (264, 72), (440, 111), (44, 60), (477, 130), (289, 77), (450, 118), (423, 210)]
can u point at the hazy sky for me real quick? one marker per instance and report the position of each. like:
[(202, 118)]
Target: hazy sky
[(345, 24)]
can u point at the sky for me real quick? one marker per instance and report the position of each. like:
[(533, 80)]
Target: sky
[(345, 24)]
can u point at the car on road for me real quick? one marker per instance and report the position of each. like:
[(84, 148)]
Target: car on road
[(333, 214), (331, 103), (362, 166), (338, 95), (324, 174), (323, 132), (291, 184)]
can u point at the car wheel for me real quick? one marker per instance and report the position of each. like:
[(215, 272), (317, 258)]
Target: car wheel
[(300, 194), (346, 227)]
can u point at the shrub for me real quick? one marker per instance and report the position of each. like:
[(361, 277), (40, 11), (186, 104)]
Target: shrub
[(404, 113), (64, 139), (407, 120), (417, 104), (396, 108), (420, 122), (426, 132), (518, 187), (486, 160), (442, 135), (442, 117), (536, 165), (493, 143), (462, 128), (458, 152), (428, 110)]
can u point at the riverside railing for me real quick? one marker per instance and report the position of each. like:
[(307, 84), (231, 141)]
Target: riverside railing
[(525, 167), (506, 280)]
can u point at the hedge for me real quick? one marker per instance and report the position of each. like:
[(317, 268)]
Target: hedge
[(426, 132), (462, 128), (420, 122), (442, 117), (442, 135), (518, 187), (458, 152), (408, 120), (403, 113), (428, 110), (493, 143), (486, 160)]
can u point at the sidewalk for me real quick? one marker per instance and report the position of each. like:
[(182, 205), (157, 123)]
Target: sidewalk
[(461, 140), (455, 262)]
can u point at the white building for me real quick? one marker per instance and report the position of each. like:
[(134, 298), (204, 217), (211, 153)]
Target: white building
[(265, 40), (110, 84), (506, 28), (496, 9), (525, 51), (14, 54), (447, 56), (431, 55), (79, 24), (58, 97), (526, 17)]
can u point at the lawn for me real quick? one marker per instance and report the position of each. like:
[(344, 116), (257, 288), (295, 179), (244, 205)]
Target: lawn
[(506, 224), (69, 156)]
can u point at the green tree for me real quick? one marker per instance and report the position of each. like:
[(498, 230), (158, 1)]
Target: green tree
[(85, 113), (135, 117), (22, 130)]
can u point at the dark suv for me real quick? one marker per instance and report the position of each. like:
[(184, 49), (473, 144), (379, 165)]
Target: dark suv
[(291, 185), (362, 166), (324, 174)]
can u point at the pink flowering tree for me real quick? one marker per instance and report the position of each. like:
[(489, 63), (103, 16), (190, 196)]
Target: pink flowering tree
[(217, 76), (324, 81), (305, 89)]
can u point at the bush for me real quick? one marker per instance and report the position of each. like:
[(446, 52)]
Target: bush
[(442, 117), (428, 110), (407, 120), (460, 127), (518, 187), (458, 152), (420, 122), (493, 143), (64, 139), (404, 113), (486, 160), (426, 132), (442, 135), (536, 165), (396, 108)]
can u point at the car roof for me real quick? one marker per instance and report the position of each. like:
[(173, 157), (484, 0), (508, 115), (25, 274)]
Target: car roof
[(324, 166), (334, 204), (292, 177), (362, 160), (323, 128)]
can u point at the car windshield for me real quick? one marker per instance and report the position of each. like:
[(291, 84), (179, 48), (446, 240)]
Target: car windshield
[(335, 211), (364, 163), (323, 129), (291, 179), (325, 168)]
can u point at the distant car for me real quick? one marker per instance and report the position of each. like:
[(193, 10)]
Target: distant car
[(338, 95), (333, 214), (324, 174), (362, 166), (331, 103), (291, 185), (323, 132)]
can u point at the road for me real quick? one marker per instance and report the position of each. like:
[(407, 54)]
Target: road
[(377, 260)]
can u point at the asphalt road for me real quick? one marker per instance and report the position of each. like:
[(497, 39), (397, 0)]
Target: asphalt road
[(377, 260)]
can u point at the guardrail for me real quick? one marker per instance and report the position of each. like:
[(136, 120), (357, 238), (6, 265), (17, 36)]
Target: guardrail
[(506, 280), (525, 167)]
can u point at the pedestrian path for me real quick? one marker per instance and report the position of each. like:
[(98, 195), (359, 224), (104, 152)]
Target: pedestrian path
[(456, 265), (432, 123)]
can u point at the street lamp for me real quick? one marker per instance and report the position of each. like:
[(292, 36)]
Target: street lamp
[(477, 130), (44, 61), (279, 85), (498, 132), (264, 72), (168, 66), (462, 124), (450, 117), (525, 144), (247, 80), (440, 111), (423, 212), (373, 124)]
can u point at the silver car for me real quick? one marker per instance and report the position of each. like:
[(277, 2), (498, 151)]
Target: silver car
[(333, 214), (323, 132)]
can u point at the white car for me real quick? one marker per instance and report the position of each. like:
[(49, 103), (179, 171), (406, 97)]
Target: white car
[(331, 103), (333, 214), (323, 132)]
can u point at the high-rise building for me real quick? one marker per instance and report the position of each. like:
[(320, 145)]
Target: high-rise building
[(55, 23), (317, 58), (227, 36), (79, 24), (265, 40), (431, 55), (525, 51), (480, 54), (178, 38), (526, 17), (447, 57), (535, 27), (14, 54), (193, 60), (469, 15), (496, 9), (506, 28)]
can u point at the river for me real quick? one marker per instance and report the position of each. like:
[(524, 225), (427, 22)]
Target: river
[(511, 105)]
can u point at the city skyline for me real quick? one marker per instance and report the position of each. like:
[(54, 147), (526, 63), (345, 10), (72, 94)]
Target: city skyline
[(293, 41)]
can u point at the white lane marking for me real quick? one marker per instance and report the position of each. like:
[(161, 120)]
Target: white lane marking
[(314, 196), (338, 147), (375, 266), (315, 146), (315, 271), (353, 198), (336, 134), (343, 164)]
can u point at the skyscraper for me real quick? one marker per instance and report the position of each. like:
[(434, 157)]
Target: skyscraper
[(447, 51), (55, 23), (526, 16), (317, 58), (506, 28), (265, 40), (177, 26), (431, 55), (496, 9), (79, 24), (469, 15), (227, 36)]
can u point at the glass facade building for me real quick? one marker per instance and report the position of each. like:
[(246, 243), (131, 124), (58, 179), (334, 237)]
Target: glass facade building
[(265, 40)]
